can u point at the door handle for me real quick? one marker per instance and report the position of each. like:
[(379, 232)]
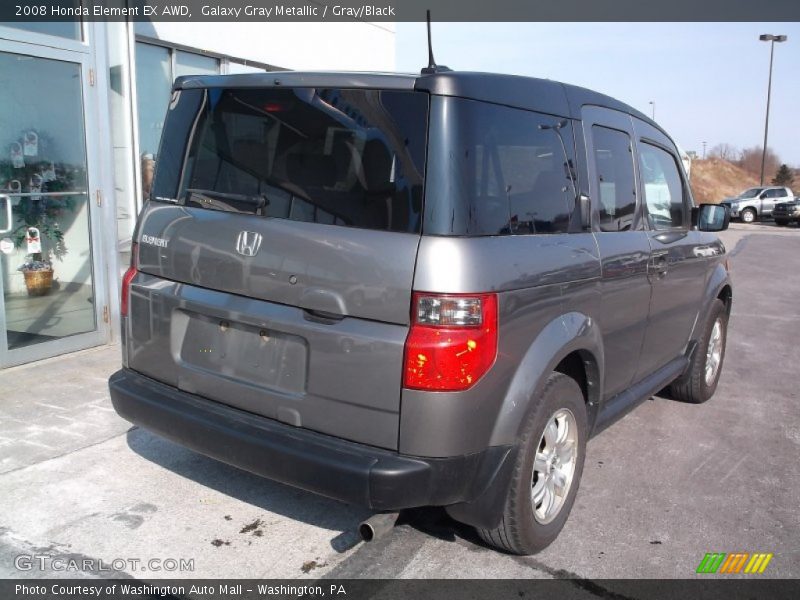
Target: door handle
[(659, 262), (9, 214), (585, 206)]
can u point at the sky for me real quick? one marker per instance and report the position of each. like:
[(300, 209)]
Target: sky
[(708, 80)]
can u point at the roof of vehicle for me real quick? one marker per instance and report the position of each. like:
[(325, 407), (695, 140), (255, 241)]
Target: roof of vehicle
[(543, 95), (766, 187)]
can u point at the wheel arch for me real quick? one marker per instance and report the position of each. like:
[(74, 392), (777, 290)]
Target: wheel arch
[(752, 209), (726, 295), (571, 344)]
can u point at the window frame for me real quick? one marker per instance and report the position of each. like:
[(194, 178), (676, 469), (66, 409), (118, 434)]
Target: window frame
[(173, 49), (644, 140), (224, 59), (638, 223), (645, 132), (432, 223)]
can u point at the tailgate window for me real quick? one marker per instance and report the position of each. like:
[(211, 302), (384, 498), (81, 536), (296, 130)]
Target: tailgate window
[(335, 156)]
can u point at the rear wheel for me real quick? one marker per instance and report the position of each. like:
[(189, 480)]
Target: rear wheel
[(781, 222), (748, 215), (547, 471), (700, 381)]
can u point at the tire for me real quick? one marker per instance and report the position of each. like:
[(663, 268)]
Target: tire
[(701, 379), (527, 528), (781, 223), (748, 215)]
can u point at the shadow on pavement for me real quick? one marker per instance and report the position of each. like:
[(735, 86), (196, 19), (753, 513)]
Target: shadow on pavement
[(265, 494), (434, 521)]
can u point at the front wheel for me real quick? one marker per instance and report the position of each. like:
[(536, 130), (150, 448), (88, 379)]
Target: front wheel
[(547, 470), (748, 215), (700, 381)]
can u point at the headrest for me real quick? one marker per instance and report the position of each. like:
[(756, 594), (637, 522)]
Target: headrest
[(316, 170), (376, 162)]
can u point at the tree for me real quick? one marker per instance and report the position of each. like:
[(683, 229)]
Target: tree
[(750, 161), (725, 152), (783, 176)]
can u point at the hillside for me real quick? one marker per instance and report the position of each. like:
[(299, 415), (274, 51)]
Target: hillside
[(713, 179)]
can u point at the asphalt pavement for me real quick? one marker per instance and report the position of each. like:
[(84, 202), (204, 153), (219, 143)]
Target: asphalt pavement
[(664, 486)]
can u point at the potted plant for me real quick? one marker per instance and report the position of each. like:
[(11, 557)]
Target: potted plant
[(38, 224), (33, 176), (38, 275)]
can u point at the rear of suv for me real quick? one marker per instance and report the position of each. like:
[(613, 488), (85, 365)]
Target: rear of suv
[(399, 290)]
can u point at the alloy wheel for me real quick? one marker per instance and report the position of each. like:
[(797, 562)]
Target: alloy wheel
[(554, 466), (714, 352)]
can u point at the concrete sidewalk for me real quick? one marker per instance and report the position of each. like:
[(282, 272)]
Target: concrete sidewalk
[(54, 407)]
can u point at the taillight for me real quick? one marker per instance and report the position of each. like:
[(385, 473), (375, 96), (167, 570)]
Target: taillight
[(125, 294), (452, 342)]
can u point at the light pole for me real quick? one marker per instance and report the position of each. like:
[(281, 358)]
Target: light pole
[(653, 106), (767, 37)]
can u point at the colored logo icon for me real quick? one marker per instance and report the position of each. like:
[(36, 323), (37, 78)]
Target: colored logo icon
[(736, 562)]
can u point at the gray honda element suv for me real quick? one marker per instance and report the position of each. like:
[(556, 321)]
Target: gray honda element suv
[(402, 290)]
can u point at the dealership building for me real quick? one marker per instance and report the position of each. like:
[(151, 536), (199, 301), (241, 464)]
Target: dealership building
[(82, 106)]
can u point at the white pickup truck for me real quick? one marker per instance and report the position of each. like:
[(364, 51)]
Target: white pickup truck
[(757, 202)]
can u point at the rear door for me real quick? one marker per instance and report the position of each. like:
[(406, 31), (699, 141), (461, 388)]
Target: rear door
[(772, 197), (622, 241), (276, 260), (678, 255)]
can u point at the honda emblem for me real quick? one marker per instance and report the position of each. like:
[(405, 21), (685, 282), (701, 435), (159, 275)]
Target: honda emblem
[(248, 243)]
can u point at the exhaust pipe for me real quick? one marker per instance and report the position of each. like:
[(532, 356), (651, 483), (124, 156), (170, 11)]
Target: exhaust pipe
[(377, 526)]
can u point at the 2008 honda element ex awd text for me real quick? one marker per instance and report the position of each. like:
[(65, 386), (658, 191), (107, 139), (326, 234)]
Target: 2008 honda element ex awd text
[(412, 290)]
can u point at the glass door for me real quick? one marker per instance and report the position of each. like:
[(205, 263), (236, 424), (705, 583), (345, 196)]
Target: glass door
[(52, 299)]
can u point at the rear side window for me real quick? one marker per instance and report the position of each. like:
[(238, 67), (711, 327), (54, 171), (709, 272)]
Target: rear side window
[(614, 160), (663, 188), (333, 156), (495, 170)]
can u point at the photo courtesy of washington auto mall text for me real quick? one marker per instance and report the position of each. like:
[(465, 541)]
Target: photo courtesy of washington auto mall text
[(121, 589), (382, 300)]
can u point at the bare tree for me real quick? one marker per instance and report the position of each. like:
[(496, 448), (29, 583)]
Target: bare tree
[(724, 151), (750, 160)]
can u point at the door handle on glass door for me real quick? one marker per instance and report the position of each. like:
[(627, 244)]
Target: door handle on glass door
[(9, 215)]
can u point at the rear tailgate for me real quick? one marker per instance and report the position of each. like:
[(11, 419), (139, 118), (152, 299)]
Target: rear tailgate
[(276, 269)]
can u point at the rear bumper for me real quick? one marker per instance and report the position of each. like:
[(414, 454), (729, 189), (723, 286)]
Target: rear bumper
[(354, 473)]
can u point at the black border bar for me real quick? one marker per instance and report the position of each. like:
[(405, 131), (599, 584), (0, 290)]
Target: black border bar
[(402, 10), (713, 587)]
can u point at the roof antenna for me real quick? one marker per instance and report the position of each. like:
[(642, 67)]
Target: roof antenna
[(432, 66)]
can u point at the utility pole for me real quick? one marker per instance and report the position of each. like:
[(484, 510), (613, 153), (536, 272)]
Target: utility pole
[(771, 39), (653, 107)]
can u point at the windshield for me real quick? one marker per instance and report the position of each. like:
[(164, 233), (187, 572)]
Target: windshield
[(751, 193), (333, 156)]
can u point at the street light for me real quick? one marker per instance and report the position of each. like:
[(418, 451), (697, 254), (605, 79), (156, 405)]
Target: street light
[(653, 105), (771, 39)]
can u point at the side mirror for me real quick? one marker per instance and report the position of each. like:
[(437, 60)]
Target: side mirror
[(711, 217)]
